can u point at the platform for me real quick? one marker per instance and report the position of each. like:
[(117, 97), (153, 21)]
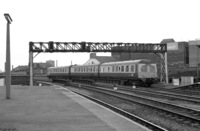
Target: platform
[(51, 108)]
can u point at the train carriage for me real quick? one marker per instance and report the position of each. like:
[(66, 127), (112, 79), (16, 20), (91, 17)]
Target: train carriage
[(58, 72), (86, 71), (130, 71)]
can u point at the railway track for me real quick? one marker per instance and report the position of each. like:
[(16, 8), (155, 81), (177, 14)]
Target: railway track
[(185, 90), (186, 115), (165, 94)]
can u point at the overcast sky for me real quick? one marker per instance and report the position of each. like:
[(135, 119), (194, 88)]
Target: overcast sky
[(138, 21)]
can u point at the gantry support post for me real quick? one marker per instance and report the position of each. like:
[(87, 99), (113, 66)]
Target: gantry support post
[(31, 67), (8, 76), (166, 68), (163, 67)]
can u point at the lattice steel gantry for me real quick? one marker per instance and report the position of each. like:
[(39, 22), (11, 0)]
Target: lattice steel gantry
[(50, 47)]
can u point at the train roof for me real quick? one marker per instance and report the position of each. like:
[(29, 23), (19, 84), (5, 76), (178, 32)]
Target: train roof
[(58, 67), (128, 62), (85, 65)]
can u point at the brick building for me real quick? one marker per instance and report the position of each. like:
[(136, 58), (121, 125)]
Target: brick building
[(38, 68)]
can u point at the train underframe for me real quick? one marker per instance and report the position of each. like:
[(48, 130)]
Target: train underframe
[(119, 81)]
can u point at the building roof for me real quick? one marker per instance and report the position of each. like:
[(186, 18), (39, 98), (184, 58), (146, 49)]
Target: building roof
[(165, 41), (20, 68), (104, 59), (42, 65), (35, 65)]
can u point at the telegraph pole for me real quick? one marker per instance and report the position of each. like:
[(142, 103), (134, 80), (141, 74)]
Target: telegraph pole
[(8, 77)]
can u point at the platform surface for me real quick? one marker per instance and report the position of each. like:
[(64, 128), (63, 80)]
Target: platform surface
[(51, 108)]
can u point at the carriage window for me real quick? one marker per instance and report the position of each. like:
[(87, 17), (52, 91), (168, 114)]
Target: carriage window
[(108, 69), (132, 68), (152, 68), (119, 69), (93, 69), (127, 68), (113, 69), (116, 69), (122, 68)]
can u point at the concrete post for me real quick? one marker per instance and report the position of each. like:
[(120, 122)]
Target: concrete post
[(31, 67), (8, 76)]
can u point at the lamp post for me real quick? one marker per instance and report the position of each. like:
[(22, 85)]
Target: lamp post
[(8, 77)]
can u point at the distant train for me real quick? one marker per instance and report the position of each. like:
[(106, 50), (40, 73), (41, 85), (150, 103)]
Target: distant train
[(133, 72)]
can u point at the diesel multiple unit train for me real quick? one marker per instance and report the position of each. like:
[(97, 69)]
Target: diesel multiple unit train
[(132, 72)]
